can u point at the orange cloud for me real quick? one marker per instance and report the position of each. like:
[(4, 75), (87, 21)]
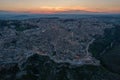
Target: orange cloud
[(53, 9)]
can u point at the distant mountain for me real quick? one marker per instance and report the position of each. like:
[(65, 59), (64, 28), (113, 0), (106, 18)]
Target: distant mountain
[(60, 12), (3, 12), (13, 15), (77, 12)]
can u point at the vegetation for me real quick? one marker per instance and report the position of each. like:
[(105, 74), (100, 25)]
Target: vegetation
[(107, 49)]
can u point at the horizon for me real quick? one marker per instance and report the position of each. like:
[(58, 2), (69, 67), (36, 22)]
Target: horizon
[(55, 7)]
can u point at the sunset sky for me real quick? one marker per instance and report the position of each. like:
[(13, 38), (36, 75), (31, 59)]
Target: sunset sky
[(53, 6)]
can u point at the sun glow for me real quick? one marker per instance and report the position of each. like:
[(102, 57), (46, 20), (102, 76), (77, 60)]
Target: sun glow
[(51, 10)]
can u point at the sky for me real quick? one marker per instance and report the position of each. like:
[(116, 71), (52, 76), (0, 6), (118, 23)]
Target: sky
[(53, 6)]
